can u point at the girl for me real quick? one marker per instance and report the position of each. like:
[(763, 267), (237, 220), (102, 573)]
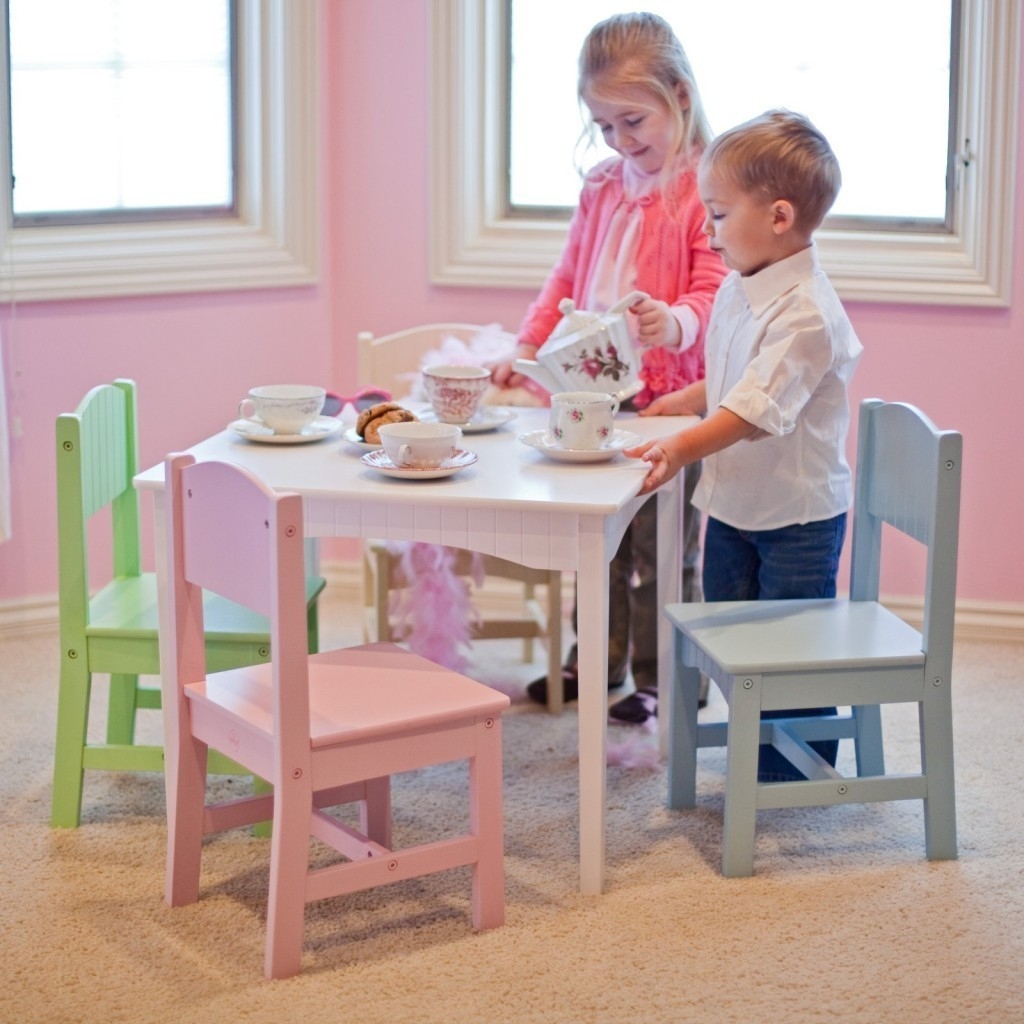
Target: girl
[(638, 226)]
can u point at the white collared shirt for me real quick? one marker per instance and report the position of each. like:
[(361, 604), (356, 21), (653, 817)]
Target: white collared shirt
[(780, 352)]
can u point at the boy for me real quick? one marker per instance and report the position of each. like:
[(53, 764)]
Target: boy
[(780, 352)]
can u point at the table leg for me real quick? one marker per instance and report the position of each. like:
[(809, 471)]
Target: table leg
[(670, 590), (592, 641)]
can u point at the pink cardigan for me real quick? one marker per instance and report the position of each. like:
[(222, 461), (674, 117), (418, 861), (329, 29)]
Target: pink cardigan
[(674, 264)]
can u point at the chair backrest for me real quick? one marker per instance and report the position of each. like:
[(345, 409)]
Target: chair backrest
[(391, 360), (908, 475), (97, 459), (228, 533)]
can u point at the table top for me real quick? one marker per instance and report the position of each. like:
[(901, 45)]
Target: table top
[(508, 473)]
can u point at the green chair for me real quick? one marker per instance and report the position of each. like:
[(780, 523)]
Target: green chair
[(114, 631)]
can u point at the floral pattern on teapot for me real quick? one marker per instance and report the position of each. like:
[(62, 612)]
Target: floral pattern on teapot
[(601, 363)]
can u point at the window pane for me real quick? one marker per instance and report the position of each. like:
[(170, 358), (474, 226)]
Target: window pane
[(881, 97), (120, 105)]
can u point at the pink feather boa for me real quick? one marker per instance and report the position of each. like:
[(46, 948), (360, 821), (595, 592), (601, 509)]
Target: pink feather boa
[(432, 609)]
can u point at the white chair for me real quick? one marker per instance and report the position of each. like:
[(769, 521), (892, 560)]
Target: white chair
[(391, 362), (782, 655), (323, 729)]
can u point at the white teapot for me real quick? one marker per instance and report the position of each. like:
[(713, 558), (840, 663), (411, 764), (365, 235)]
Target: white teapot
[(589, 352)]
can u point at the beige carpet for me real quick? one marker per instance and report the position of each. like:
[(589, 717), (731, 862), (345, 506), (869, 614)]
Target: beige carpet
[(844, 921)]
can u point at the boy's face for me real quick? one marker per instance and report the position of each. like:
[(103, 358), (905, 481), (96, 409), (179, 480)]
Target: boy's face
[(742, 227)]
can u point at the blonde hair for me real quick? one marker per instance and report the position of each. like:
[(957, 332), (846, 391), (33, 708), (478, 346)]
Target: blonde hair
[(780, 155), (640, 49)]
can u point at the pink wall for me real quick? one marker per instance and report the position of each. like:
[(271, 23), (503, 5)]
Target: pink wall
[(193, 356)]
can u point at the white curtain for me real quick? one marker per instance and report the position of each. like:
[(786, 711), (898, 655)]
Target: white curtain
[(5, 456)]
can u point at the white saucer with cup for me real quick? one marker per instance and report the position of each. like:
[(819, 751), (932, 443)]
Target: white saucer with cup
[(420, 445), (582, 420), (286, 409)]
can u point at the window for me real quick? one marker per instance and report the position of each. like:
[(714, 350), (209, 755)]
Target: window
[(963, 257), (267, 238), (889, 129), (136, 98)]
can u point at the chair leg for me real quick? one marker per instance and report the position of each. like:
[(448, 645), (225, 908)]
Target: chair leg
[(743, 738), (313, 627), (529, 597), (556, 701), (72, 728), (121, 709), (682, 730), (486, 823), (375, 811), (936, 725), (185, 784), (868, 740), (289, 867)]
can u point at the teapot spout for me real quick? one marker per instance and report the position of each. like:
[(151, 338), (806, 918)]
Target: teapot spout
[(532, 369)]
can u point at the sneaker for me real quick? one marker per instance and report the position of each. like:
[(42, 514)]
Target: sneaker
[(636, 708), (538, 689)]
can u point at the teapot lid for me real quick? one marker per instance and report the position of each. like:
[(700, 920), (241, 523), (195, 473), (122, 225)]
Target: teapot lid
[(573, 319)]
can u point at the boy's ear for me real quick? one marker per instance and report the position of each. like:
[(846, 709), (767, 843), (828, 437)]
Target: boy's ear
[(783, 216)]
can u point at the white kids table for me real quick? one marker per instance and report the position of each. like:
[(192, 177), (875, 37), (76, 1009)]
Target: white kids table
[(515, 503)]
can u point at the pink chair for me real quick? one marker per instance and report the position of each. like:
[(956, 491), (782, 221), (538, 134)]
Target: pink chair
[(324, 729)]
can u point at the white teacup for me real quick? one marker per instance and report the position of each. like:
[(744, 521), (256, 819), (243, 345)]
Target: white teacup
[(420, 445), (455, 392), (285, 408), (582, 420)]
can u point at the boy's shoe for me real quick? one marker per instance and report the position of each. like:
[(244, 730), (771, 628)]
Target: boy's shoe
[(636, 708), (538, 689)]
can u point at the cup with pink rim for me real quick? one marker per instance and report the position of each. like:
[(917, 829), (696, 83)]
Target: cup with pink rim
[(455, 392)]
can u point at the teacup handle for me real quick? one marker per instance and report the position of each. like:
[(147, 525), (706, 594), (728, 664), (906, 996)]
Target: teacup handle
[(615, 405), (403, 455), (246, 409)]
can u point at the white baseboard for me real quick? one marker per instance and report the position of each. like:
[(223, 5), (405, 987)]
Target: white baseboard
[(975, 620)]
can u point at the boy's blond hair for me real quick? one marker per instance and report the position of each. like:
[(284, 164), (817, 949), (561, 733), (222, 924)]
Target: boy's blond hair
[(780, 155)]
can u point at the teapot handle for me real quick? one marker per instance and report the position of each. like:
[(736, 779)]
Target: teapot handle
[(626, 301)]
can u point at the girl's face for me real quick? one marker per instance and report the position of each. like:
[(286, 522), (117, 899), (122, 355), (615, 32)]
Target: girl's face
[(636, 125)]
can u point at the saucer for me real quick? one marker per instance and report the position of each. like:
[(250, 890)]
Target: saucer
[(253, 430), (488, 417), (352, 437), (379, 461), (620, 439)]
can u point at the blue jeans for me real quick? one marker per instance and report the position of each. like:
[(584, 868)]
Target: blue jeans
[(799, 561)]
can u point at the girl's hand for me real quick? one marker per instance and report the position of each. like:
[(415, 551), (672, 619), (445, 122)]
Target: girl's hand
[(655, 323), (688, 401), (505, 375)]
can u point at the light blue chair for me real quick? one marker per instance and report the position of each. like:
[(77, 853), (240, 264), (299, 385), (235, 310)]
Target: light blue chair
[(782, 655)]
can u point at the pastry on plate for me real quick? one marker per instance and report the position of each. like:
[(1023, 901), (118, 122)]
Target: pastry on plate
[(372, 419)]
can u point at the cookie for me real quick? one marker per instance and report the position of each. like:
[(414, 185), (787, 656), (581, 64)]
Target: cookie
[(371, 413), (392, 414)]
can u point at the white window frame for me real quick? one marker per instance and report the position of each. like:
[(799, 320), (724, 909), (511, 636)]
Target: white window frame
[(272, 241), (475, 242)]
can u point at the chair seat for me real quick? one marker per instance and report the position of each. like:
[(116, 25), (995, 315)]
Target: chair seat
[(127, 607), (801, 635), (355, 694)]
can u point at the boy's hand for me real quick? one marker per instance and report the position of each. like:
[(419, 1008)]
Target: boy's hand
[(655, 323), (660, 468)]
